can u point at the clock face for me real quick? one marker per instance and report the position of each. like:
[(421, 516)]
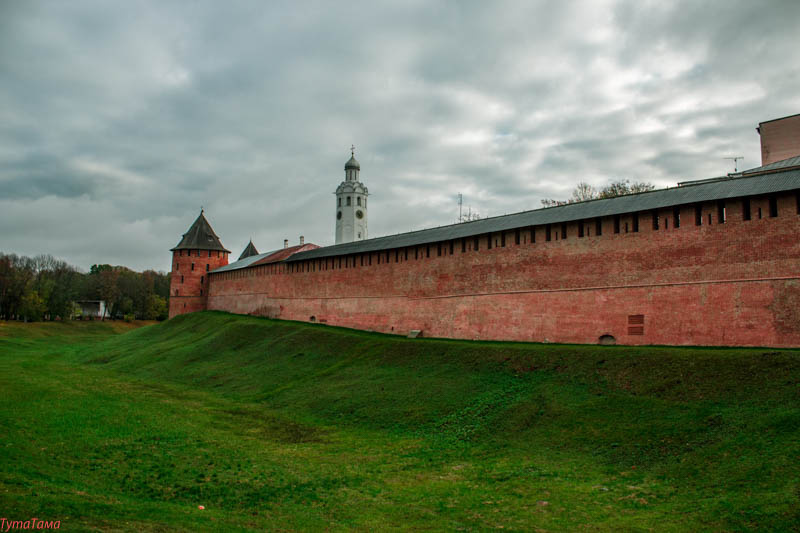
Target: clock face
[(359, 214), (339, 215)]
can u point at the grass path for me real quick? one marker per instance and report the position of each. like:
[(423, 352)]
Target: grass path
[(280, 426)]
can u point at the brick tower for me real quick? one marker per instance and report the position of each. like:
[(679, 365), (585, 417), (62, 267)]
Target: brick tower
[(199, 252)]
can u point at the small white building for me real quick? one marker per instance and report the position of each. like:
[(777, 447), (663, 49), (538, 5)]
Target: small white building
[(351, 204), (92, 309)]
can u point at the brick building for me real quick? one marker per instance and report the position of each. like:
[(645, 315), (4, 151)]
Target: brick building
[(779, 139), (710, 262)]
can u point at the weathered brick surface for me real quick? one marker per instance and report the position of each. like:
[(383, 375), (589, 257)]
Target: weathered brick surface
[(736, 283), (189, 285)]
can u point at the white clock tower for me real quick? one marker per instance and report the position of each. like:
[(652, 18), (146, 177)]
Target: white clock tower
[(351, 204)]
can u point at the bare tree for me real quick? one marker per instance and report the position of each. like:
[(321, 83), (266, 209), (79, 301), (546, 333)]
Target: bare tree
[(583, 192)]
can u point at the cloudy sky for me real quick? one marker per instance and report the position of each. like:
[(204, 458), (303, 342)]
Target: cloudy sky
[(118, 120)]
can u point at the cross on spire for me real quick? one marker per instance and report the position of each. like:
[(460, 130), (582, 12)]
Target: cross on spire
[(352, 150)]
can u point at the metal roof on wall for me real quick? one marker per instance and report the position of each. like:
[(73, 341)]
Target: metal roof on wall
[(733, 187), (267, 258), (243, 263), (777, 165)]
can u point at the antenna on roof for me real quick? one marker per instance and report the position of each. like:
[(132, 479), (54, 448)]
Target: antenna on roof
[(469, 215), (735, 160)]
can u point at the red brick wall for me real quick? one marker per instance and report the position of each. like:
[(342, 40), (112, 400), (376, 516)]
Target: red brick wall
[(780, 139), (189, 286), (736, 283)]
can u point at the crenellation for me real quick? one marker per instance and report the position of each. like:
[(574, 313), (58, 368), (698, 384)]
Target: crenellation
[(706, 216)]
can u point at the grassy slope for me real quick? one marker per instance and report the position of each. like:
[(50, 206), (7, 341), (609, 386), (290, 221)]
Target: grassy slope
[(272, 424)]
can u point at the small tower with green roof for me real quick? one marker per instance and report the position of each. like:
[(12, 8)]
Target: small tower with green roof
[(249, 251)]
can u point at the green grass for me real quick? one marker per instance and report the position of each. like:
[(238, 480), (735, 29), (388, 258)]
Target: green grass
[(279, 425)]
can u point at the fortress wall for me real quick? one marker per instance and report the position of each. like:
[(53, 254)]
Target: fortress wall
[(712, 314), (734, 283)]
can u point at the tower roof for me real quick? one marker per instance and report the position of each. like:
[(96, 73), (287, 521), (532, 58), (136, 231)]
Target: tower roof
[(200, 237), (352, 163), (249, 250)]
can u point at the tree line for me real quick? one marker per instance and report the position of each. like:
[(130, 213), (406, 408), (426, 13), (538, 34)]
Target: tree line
[(46, 288), (583, 191)]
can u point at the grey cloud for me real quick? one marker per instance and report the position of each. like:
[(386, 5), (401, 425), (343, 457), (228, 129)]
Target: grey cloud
[(123, 119), (35, 175), (33, 186)]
